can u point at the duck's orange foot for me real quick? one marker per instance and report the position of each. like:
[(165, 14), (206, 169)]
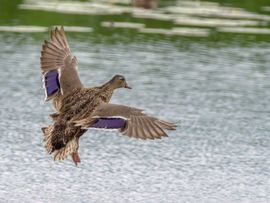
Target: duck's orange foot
[(76, 158)]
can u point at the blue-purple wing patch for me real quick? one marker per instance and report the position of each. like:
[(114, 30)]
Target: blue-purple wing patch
[(51, 82), (109, 123)]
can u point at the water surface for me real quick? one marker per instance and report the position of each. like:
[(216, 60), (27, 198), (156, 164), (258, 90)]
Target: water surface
[(217, 90)]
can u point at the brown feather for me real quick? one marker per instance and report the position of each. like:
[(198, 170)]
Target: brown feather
[(138, 124), (59, 38), (62, 33), (147, 133), (135, 127), (140, 129)]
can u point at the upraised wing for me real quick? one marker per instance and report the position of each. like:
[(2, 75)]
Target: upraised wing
[(58, 66), (130, 121)]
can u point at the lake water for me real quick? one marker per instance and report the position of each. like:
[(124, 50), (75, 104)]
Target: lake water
[(216, 90)]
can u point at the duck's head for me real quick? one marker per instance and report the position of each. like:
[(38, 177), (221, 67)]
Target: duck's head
[(119, 81)]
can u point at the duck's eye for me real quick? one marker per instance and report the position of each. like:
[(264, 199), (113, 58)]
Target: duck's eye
[(122, 79)]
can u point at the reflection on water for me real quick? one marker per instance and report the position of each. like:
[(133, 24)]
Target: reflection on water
[(217, 91)]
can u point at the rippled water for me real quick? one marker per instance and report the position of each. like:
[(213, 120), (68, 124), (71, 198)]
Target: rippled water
[(215, 88), (218, 94)]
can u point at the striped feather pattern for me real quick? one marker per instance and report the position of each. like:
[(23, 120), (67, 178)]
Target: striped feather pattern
[(137, 124), (54, 53), (56, 59), (146, 127)]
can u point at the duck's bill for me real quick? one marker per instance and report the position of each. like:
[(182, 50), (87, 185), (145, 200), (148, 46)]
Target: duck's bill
[(128, 87)]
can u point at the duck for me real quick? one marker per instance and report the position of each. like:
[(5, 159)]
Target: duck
[(147, 4), (78, 109)]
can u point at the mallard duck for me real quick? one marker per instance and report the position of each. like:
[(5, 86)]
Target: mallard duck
[(147, 4), (78, 108)]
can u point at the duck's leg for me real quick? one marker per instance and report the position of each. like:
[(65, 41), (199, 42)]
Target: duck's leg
[(75, 155), (76, 158)]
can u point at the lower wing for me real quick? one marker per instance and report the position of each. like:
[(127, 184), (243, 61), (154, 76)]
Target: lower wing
[(128, 120)]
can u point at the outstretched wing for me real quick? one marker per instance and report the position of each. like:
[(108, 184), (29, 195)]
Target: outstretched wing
[(58, 66), (130, 121)]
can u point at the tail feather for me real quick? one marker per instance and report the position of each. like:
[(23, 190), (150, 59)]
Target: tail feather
[(47, 138), (70, 148), (60, 154), (55, 143)]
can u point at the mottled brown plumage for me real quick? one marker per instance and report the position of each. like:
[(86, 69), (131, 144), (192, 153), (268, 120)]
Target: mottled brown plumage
[(77, 105), (79, 108)]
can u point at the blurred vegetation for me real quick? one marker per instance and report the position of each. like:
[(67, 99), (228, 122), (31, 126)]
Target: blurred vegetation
[(250, 5), (11, 15)]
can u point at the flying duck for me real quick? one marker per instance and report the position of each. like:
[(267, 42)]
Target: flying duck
[(79, 108)]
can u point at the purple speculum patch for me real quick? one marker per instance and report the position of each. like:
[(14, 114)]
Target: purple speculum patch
[(51, 82), (110, 123)]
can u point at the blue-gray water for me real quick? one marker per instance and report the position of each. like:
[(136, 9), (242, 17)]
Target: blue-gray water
[(219, 96), (216, 88)]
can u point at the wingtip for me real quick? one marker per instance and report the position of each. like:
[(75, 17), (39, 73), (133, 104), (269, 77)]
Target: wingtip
[(45, 42), (60, 29), (54, 30), (174, 126), (44, 129)]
